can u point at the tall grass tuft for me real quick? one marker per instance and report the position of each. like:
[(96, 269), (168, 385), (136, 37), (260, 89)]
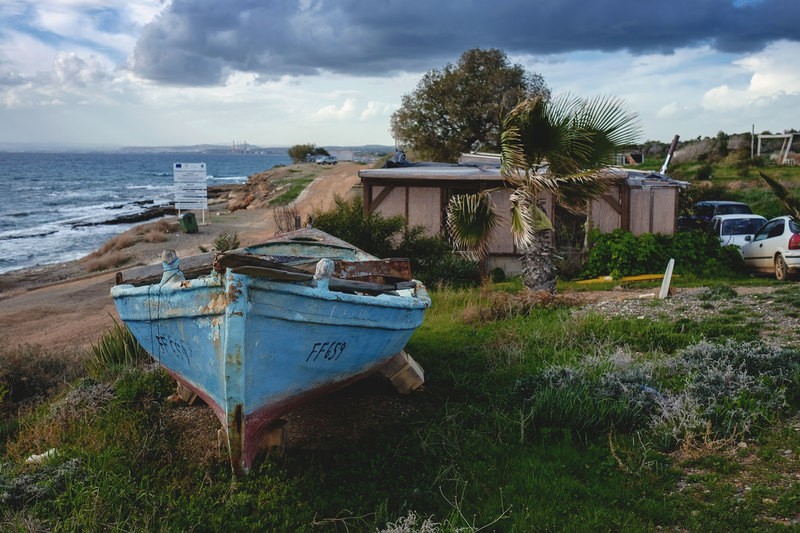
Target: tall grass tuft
[(116, 349)]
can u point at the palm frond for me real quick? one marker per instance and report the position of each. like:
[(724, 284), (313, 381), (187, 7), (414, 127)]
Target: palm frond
[(470, 221), (574, 192), (787, 199), (527, 217), (513, 164)]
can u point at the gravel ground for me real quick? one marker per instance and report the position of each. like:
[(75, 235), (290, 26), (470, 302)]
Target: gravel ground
[(777, 308)]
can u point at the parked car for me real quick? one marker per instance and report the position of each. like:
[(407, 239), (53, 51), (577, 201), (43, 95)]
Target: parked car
[(733, 229), (775, 247), (327, 160), (703, 212)]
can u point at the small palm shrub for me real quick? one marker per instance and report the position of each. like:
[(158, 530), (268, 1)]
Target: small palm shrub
[(116, 349), (226, 241)]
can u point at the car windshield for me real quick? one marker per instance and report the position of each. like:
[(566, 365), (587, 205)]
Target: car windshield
[(741, 226), (733, 209)]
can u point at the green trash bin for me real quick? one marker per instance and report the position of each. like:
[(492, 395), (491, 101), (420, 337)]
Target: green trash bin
[(188, 223)]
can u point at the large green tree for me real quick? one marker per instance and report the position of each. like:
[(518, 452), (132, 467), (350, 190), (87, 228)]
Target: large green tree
[(557, 146), (454, 108)]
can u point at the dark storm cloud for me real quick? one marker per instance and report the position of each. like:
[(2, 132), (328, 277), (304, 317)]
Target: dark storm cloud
[(197, 42)]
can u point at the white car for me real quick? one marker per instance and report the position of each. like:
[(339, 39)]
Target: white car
[(774, 248), (733, 229)]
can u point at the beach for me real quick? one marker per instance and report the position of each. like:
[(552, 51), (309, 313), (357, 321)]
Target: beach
[(64, 305)]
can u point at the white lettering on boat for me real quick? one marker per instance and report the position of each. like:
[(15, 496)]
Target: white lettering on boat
[(328, 351)]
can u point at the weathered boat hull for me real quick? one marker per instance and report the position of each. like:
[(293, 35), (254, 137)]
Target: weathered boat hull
[(253, 348)]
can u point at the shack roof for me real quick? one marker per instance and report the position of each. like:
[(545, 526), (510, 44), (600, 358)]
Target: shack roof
[(462, 172), (434, 171)]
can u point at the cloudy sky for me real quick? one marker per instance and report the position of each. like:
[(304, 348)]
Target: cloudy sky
[(331, 72)]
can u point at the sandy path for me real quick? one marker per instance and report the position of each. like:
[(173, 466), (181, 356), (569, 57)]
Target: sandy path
[(37, 309)]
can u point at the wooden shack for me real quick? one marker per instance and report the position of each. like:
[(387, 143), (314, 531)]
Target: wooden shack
[(640, 202)]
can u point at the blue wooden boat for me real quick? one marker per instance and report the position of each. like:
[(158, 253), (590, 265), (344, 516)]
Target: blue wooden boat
[(261, 333)]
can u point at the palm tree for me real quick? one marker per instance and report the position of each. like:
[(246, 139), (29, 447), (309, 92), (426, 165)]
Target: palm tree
[(788, 199), (557, 146)]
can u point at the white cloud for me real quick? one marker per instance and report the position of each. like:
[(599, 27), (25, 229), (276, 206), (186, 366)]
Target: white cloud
[(345, 111), (378, 109), (24, 54), (669, 110), (773, 74)]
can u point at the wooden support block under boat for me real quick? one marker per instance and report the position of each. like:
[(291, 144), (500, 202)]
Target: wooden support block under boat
[(404, 372)]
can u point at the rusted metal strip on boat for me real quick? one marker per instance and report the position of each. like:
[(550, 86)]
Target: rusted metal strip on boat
[(235, 440), (379, 271)]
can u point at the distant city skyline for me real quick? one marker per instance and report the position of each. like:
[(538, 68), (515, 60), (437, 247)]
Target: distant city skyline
[(105, 73)]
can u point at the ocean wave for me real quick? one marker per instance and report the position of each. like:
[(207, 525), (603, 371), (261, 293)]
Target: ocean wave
[(31, 233), (150, 187), (234, 179)]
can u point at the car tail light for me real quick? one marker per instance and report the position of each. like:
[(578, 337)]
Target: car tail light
[(794, 241)]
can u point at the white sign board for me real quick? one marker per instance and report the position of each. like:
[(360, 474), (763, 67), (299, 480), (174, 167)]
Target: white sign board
[(191, 191)]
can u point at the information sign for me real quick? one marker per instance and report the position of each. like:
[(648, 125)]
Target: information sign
[(191, 191)]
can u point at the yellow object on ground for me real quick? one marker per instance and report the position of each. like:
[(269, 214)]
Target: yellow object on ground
[(640, 277)]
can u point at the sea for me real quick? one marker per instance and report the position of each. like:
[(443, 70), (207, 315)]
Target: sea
[(54, 205)]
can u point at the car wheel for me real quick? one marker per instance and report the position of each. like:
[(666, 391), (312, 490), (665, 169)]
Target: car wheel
[(781, 270)]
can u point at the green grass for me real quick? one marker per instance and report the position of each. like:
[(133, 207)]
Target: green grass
[(294, 187), (470, 450)]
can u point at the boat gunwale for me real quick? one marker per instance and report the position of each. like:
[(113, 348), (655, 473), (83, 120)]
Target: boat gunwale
[(214, 281)]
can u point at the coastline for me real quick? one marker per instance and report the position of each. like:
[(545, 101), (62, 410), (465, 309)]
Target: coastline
[(63, 304)]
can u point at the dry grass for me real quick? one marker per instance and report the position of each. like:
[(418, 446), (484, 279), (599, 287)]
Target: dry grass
[(157, 231), (502, 305), (162, 226), (154, 235), (30, 374), (120, 242), (97, 263), (196, 429)]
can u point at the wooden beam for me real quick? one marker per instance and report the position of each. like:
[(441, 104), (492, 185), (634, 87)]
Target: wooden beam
[(381, 197), (615, 205)]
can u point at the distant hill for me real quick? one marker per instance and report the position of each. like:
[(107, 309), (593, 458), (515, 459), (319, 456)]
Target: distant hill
[(194, 148)]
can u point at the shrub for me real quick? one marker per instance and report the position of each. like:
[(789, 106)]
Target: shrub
[(714, 390), (29, 372), (620, 253), (432, 258), (371, 232), (497, 275), (704, 172), (226, 241)]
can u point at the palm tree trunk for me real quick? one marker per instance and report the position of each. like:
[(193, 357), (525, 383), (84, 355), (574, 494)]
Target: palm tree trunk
[(538, 270)]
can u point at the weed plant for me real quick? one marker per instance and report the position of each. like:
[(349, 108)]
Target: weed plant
[(116, 349)]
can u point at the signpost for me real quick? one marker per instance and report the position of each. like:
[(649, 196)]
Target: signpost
[(191, 191)]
